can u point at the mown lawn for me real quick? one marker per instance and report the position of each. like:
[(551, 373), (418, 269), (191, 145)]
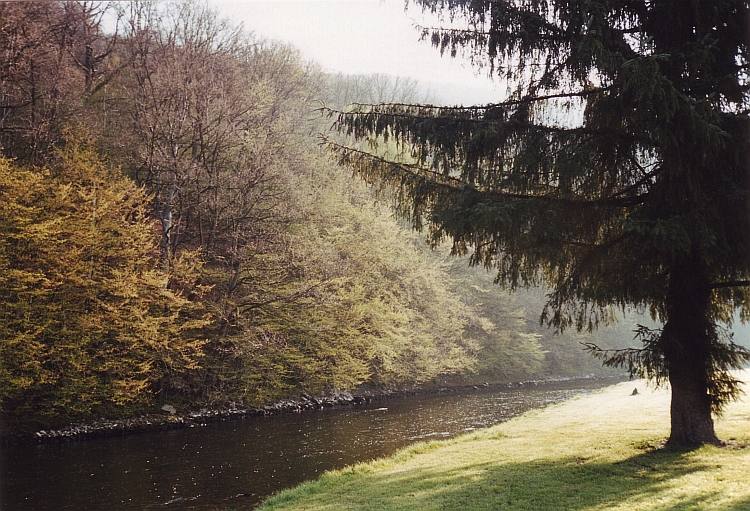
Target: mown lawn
[(591, 453)]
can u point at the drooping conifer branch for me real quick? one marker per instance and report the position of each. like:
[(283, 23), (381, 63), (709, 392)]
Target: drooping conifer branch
[(363, 160)]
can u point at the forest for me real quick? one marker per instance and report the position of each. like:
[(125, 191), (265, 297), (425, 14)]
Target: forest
[(174, 232)]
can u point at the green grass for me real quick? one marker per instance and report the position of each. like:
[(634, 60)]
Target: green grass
[(591, 453)]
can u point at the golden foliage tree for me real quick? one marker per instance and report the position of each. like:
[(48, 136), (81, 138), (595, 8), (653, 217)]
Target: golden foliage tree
[(86, 323)]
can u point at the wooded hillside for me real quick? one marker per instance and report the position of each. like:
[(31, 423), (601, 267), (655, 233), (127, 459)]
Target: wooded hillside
[(173, 232)]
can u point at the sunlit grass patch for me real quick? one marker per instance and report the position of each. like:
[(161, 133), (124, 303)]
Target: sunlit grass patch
[(599, 452)]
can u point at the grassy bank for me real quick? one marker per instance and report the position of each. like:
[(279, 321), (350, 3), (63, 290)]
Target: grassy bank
[(596, 452)]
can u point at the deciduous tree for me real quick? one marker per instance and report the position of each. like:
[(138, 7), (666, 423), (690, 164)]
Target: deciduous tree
[(85, 323)]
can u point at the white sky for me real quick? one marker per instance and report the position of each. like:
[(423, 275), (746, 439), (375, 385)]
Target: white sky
[(364, 37)]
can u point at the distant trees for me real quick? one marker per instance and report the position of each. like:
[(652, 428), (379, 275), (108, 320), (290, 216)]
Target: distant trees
[(183, 98), (372, 89), (215, 119), (383, 294)]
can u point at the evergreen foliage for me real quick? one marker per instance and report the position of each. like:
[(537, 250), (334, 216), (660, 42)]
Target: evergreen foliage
[(616, 172)]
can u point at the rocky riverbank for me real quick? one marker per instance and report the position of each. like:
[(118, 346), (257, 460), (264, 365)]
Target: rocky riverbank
[(170, 418)]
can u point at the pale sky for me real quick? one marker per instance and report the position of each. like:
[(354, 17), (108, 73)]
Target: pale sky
[(364, 37)]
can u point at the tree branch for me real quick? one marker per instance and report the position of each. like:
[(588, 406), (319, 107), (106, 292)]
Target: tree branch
[(475, 108), (458, 185)]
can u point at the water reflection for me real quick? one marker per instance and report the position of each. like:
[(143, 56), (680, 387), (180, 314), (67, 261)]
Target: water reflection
[(235, 464)]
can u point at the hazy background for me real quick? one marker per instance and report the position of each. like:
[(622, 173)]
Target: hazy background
[(365, 37), (374, 36)]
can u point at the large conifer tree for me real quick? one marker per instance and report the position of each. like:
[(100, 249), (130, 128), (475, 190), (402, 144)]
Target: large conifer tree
[(616, 173)]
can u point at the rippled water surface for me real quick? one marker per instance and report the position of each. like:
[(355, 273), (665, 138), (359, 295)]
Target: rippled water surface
[(234, 464)]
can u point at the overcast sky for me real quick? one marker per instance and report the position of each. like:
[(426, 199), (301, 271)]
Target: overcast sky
[(364, 37)]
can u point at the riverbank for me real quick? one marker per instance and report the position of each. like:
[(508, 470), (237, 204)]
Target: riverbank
[(170, 418), (236, 464), (596, 452)]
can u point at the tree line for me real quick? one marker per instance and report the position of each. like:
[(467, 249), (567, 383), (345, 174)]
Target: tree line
[(173, 232)]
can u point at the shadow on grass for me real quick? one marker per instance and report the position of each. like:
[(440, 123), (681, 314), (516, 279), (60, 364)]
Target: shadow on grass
[(565, 485), (700, 503)]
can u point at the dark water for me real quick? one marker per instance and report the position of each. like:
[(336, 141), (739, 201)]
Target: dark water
[(233, 465)]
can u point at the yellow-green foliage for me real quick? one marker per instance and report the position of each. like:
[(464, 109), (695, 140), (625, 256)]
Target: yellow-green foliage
[(391, 299), (509, 351), (365, 304), (594, 453), (86, 322)]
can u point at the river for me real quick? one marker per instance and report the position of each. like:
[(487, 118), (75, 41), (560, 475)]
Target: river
[(235, 464)]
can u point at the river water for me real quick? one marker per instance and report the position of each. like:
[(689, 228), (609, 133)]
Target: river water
[(235, 464)]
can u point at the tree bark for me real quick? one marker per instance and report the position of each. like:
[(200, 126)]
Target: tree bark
[(687, 350), (167, 243)]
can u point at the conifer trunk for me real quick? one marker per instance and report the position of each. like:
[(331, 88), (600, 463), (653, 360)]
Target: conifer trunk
[(687, 350)]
